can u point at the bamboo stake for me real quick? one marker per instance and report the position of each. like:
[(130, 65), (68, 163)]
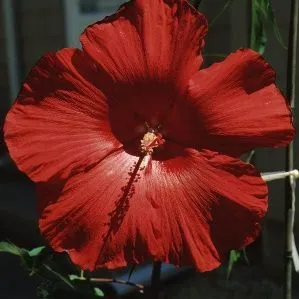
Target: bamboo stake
[(278, 175), (290, 182)]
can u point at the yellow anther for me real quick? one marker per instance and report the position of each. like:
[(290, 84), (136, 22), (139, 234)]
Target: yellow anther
[(150, 141)]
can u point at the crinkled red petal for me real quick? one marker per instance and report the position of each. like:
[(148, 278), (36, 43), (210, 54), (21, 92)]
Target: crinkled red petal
[(149, 49), (148, 40), (190, 209), (59, 124), (239, 107)]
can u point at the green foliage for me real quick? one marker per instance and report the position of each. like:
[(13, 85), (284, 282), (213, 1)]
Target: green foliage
[(98, 292), (36, 251), (258, 36), (75, 277), (40, 262), (261, 13), (8, 247), (234, 257), (59, 276)]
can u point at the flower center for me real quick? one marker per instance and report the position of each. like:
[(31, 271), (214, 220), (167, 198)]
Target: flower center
[(150, 141)]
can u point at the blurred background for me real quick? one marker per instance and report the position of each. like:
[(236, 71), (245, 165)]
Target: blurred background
[(30, 28)]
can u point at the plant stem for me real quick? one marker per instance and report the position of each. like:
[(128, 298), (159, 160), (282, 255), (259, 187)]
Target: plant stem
[(251, 42), (290, 182), (155, 282), (119, 281), (252, 18), (224, 8)]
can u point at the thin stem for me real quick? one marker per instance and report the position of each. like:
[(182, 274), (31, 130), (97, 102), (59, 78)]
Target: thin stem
[(155, 282), (82, 273), (224, 8), (131, 272), (119, 281), (292, 51), (251, 157), (290, 183), (252, 21)]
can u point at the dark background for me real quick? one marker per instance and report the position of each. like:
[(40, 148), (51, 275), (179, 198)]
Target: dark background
[(42, 26)]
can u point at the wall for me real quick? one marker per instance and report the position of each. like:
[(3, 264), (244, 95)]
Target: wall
[(40, 27), (4, 91)]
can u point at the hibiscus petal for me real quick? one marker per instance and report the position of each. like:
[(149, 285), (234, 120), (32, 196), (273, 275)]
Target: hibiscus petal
[(150, 49), (190, 209), (154, 39), (59, 122), (239, 106)]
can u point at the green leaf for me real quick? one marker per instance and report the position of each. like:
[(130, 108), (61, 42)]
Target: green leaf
[(36, 251), (258, 37), (11, 248), (268, 13), (234, 256), (262, 12), (98, 292)]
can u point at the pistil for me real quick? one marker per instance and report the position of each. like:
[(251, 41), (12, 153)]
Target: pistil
[(150, 141)]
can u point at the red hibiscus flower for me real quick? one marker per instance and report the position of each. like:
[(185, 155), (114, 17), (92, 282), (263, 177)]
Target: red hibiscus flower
[(135, 149)]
